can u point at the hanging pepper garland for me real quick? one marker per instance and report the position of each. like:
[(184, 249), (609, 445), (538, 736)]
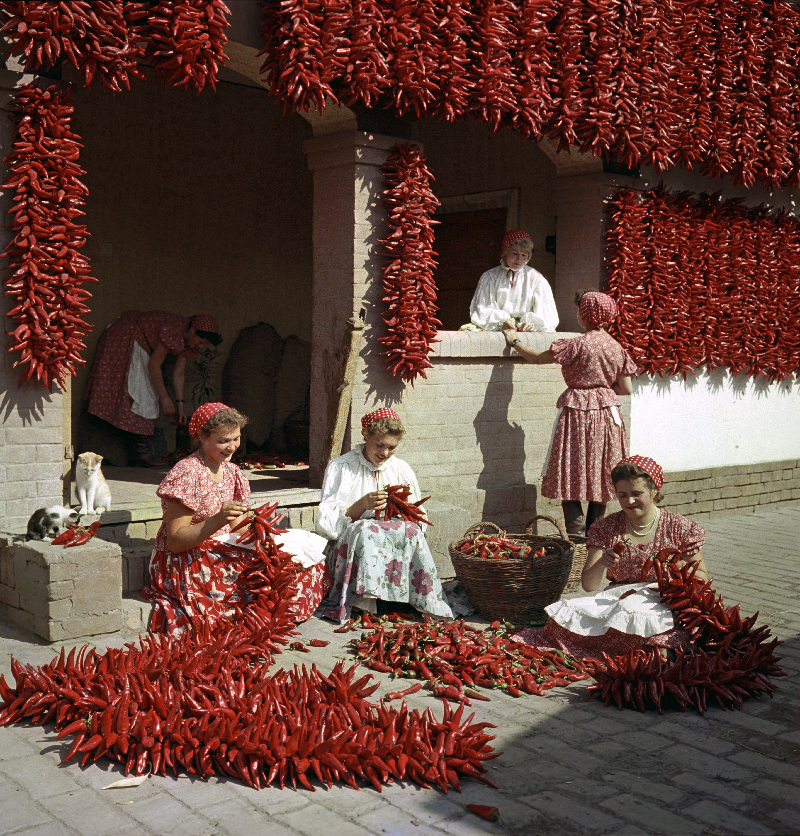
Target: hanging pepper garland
[(46, 270), (703, 282), (408, 274), (709, 84), (94, 37), (184, 40)]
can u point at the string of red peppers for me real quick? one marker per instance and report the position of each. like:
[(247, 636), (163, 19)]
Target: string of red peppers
[(184, 40), (408, 273), (204, 703), (398, 506), (703, 282), (708, 84), (46, 269), (455, 659), (728, 660)]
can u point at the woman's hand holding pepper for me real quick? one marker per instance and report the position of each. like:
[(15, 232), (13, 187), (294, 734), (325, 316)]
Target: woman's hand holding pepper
[(230, 513), (373, 501), (528, 326)]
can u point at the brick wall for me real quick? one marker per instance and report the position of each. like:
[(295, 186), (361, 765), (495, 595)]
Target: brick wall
[(699, 493)]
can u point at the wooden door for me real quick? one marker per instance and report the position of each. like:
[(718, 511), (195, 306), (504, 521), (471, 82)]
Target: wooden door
[(468, 244)]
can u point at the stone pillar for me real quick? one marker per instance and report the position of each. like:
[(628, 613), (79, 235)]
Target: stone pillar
[(348, 214), (580, 223), (31, 437)]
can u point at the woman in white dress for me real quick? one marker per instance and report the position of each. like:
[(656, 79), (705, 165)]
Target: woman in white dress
[(514, 295), (369, 558)]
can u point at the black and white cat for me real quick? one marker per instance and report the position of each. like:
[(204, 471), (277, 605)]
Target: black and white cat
[(48, 522)]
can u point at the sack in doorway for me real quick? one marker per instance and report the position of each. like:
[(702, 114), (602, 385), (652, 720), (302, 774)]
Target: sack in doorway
[(248, 378)]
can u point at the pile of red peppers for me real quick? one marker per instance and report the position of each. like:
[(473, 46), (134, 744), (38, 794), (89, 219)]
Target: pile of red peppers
[(409, 264), (455, 659), (729, 660), (205, 703), (704, 282), (706, 84), (46, 270)]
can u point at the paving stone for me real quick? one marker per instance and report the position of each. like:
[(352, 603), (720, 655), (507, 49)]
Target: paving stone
[(87, 814), (315, 819), (722, 817), (719, 790), (651, 816), (37, 777), (236, 818), (564, 808), (18, 811)]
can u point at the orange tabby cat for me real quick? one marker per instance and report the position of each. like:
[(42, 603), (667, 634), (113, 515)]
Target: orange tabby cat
[(94, 494)]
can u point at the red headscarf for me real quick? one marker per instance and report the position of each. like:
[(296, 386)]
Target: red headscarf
[(201, 415), (203, 322), (598, 308), (383, 412), (515, 235), (650, 467)]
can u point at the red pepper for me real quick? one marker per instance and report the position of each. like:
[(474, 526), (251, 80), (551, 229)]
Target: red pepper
[(484, 811)]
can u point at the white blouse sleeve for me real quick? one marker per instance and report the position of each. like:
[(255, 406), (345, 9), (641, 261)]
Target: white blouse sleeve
[(337, 486), (484, 310), (543, 314)]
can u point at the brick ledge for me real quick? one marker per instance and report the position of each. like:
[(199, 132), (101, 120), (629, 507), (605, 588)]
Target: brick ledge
[(490, 343)]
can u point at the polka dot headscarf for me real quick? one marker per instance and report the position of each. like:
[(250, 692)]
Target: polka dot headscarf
[(598, 308), (202, 322), (515, 235), (383, 412), (650, 467), (201, 415)]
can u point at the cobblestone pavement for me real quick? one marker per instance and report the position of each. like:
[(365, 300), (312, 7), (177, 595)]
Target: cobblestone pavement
[(568, 766)]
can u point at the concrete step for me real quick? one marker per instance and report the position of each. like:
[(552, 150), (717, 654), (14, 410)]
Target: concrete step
[(135, 613)]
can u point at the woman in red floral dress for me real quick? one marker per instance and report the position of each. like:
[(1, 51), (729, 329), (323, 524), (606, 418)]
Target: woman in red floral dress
[(629, 612), (590, 435), (202, 497), (126, 385)]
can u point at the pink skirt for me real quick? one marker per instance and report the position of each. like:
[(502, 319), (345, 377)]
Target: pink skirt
[(587, 444)]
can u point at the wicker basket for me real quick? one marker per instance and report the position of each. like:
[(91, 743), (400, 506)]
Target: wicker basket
[(579, 557), (514, 590)]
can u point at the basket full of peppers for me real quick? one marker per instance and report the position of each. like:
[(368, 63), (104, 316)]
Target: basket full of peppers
[(511, 578)]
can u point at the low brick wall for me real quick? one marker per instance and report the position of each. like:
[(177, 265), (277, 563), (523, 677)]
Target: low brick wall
[(699, 493), (60, 593)]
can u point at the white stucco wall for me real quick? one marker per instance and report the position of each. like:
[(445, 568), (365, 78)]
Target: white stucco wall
[(715, 420)]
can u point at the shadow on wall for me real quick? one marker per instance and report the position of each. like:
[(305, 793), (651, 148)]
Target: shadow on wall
[(719, 381), (502, 442)]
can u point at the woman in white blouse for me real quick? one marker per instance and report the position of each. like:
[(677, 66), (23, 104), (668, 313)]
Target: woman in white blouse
[(514, 295), (371, 558)]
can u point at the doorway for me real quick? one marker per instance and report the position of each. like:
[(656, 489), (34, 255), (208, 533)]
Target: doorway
[(467, 244)]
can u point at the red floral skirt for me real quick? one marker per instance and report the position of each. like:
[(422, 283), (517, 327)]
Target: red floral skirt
[(204, 583)]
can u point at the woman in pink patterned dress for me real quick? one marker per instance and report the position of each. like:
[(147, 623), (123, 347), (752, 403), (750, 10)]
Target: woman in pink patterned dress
[(202, 497), (590, 435), (628, 613), (126, 385)]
